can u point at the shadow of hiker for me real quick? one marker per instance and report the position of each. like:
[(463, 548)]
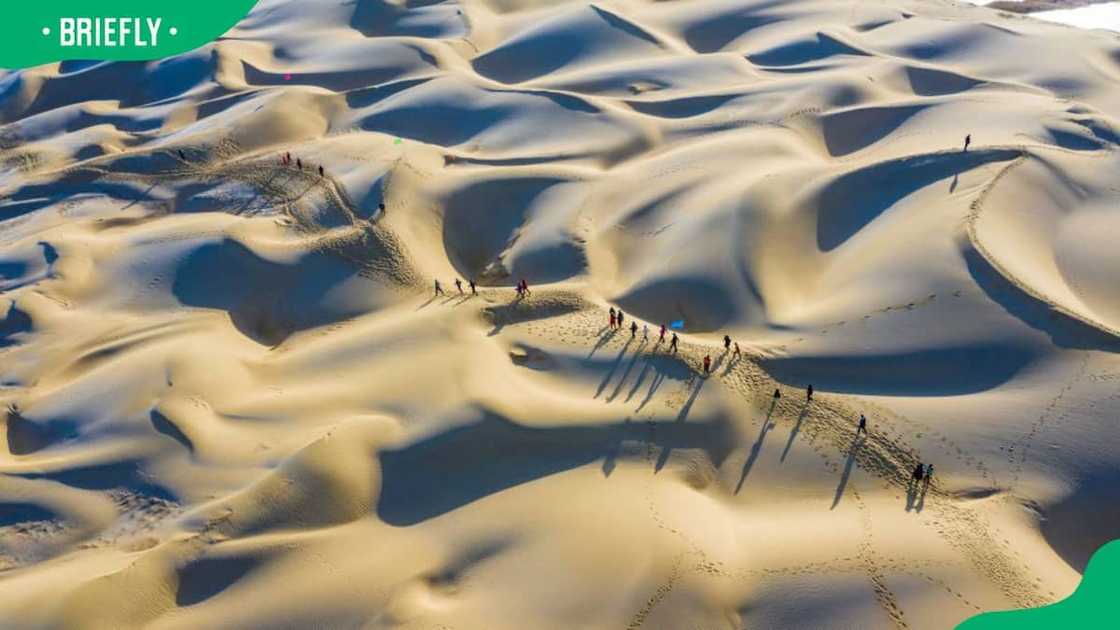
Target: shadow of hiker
[(921, 502), (953, 184), (796, 429), (626, 372), (911, 493), (844, 476), (756, 448), (614, 368), (681, 418), (428, 303), (603, 340)]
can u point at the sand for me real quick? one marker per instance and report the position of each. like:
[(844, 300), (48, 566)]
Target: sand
[(232, 400)]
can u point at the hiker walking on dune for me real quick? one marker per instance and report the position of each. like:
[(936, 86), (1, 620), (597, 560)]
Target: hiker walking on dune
[(777, 393), (929, 473), (614, 319), (525, 287), (439, 289), (919, 471), (737, 354), (620, 318), (661, 339), (673, 343), (474, 289), (321, 172), (459, 285), (862, 425), (645, 333), (726, 342), (633, 329), (707, 364), (299, 163), (809, 394), (967, 141)]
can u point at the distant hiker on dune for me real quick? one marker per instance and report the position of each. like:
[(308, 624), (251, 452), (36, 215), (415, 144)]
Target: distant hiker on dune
[(737, 354), (525, 287), (967, 141), (288, 158), (474, 289), (620, 318), (707, 364), (673, 343), (182, 156), (518, 289), (299, 163), (662, 337), (726, 342), (777, 393), (633, 329), (809, 394), (439, 289), (321, 172), (645, 332), (862, 424), (929, 473), (459, 285), (918, 473), (613, 317)]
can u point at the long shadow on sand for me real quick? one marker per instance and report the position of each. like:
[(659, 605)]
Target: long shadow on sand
[(469, 462), (756, 448), (857, 441)]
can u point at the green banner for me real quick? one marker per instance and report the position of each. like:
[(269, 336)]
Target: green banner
[(1092, 605), (46, 31)]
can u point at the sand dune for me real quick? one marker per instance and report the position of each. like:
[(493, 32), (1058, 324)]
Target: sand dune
[(231, 399)]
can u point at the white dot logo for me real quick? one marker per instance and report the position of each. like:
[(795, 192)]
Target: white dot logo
[(174, 31), (46, 30)]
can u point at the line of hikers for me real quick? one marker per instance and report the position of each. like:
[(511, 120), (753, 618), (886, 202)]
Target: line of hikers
[(459, 286), (286, 160)]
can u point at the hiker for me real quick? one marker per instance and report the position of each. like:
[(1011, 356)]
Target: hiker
[(321, 173), (707, 364), (809, 394), (673, 343), (299, 163), (967, 141), (459, 285), (518, 289), (181, 156), (645, 333), (381, 207), (862, 424), (474, 290), (525, 287), (288, 158), (633, 329), (614, 319), (439, 289), (737, 354), (620, 318), (918, 473), (929, 473), (662, 337), (777, 393), (726, 342)]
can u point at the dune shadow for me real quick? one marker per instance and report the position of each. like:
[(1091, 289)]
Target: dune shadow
[(206, 577), (469, 462)]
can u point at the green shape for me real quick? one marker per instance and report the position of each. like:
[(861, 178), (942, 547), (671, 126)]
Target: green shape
[(1092, 605), (197, 23), (398, 141)]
